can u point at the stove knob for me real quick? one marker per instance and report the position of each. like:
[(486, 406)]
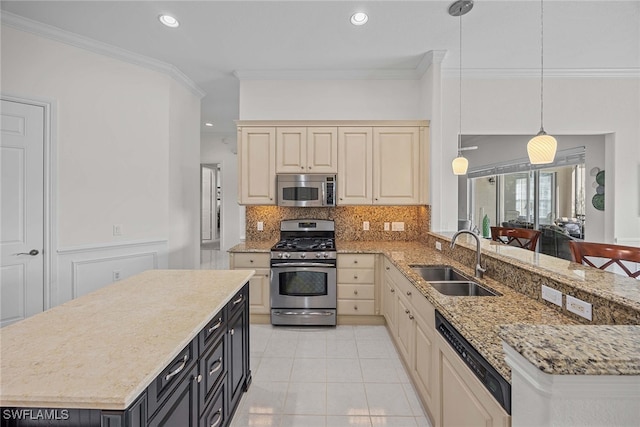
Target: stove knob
[(318, 255), (280, 255), (303, 256), (287, 255), (325, 254)]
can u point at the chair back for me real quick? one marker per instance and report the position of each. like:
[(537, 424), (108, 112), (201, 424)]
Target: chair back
[(520, 237), (586, 253)]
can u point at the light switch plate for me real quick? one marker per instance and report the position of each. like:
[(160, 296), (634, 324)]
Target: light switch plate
[(260, 225), (579, 307), (365, 225), (386, 226), (397, 226), (552, 295)]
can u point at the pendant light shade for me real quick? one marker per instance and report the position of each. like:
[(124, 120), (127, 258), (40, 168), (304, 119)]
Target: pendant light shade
[(542, 149), (460, 165)]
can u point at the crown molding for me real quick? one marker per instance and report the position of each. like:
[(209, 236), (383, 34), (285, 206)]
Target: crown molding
[(86, 43), (428, 58), (526, 73)]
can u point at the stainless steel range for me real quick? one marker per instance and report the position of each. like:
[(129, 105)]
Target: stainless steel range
[(303, 274)]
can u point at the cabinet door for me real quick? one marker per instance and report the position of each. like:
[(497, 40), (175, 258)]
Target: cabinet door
[(257, 175), (405, 328), (389, 303), (322, 149), (423, 367), (181, 408), (355, 167), (396, 165), (259, 293), (291, 150), (463, 399), (238, 356)]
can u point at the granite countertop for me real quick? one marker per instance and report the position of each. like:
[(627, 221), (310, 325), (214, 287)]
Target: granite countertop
[(577, 349), (481, 320), (100, 351)]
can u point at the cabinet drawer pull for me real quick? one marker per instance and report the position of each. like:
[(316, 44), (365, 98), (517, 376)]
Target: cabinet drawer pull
[(219, 414), (355, 261), (218, 365), (355, 292), (216, 326), (251, 261), (355, 276), (355, 307), (199, 379), (406, 311), (178, 369), (387, 268), (393, 291), (411, 317), (232, 332), (239, 300), (408, 293)]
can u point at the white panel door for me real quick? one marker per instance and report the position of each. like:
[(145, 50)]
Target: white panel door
[(22, 211)]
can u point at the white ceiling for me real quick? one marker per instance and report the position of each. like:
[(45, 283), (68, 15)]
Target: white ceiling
[(276, 38)]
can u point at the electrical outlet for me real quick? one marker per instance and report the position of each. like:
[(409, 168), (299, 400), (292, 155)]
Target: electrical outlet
[(386, 226), (397, 226), (438, 246), (117, 229), (365, 225), (552, 295), (579, 307), (260, 226), (116, 275)]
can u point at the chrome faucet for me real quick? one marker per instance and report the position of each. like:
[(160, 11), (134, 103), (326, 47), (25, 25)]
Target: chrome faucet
[(479, 270)]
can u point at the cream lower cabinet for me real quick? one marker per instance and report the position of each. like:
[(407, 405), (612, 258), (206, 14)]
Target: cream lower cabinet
[(461, 398), (413, 329), (259, 283), (356, 284)]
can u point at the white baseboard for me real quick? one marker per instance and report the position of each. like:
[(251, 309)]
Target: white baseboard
[(82, 270)]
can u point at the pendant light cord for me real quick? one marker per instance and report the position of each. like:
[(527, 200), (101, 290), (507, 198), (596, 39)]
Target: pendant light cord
[(541, 65), (460, 94)]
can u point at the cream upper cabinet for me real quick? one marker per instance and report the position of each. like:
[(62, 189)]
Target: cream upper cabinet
[(396, 165), (306, 150), (355, 165), (256, 158)]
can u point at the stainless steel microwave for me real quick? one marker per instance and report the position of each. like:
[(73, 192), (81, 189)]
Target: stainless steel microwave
[(309, 190)]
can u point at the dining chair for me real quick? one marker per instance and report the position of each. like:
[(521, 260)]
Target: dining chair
[(584, 252), (525, 238)]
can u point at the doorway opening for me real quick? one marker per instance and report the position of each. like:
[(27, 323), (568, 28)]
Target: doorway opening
[(211, 206)]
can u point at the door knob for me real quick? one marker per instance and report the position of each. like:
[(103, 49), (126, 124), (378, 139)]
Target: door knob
[(32, 252)]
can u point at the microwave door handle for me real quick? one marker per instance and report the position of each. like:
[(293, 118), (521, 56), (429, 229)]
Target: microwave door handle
[(324, 193)]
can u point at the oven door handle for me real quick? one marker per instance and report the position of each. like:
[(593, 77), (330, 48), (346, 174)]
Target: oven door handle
[(303, 264), (303, 313)]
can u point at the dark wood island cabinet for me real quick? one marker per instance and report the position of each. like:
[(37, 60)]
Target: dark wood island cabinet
[(201, 386)]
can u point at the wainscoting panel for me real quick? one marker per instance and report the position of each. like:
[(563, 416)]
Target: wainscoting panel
[(85, 269)]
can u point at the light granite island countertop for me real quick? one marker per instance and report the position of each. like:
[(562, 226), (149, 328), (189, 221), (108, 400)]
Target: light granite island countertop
[(102, 350)]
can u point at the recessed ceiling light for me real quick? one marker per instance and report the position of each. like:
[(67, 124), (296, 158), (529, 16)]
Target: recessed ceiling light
[(169, 21), (359, 18), (208, 124)]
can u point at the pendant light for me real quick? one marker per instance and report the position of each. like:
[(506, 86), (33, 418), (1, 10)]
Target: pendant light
[(542, 147), (460, 164)]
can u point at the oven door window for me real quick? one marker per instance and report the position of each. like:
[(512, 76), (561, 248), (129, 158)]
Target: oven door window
[(303, 283), (300, 194)]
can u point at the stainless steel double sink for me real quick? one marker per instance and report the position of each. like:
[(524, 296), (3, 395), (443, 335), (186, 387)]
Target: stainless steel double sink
[(448, 281)]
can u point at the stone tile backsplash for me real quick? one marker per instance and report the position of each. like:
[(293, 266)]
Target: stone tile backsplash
[(348, 220)]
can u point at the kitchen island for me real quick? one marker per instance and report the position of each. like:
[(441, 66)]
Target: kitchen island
[(131, 352)]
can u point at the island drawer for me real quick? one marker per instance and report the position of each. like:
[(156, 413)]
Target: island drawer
[(163, 385), (213, 366), (238, 301)]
